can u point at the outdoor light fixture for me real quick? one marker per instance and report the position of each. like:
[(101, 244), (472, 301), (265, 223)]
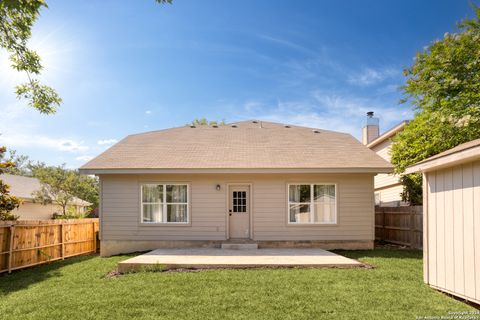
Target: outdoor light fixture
[(217, 187)]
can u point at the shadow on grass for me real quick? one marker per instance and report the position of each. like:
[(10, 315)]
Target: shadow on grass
[(384, 253), (23, 278)]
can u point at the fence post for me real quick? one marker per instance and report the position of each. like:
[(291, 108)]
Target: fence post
[(94, 235), (412, 227), (383, 225), (10, 249), (63, 240)]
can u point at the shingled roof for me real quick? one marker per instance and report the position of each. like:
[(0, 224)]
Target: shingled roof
[(242, 145)]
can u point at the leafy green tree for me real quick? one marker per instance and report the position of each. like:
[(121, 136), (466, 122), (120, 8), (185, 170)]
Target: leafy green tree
[(205, 122), (22, 163), (444, 86), (87, 188), (61, 185), (7, 202)]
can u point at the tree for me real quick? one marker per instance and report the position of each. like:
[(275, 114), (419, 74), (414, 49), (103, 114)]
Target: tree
[(17, 18), (205, 122), (22, 164), (60, 186), (87, 188), (444, 86), (7, 202)]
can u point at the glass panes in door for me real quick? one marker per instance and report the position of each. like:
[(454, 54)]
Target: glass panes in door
[(239, 201)]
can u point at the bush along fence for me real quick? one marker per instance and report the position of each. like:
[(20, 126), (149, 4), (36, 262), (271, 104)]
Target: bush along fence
[(400, 225), (29, 243)]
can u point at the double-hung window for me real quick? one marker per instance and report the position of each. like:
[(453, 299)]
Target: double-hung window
[(164, 203), (312, 204)]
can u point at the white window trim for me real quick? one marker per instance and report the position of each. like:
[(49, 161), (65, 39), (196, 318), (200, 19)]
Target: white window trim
[(164, 203), (311, 203)]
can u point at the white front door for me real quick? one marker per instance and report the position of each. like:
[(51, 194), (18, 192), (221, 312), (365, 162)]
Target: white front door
[(239, 212)]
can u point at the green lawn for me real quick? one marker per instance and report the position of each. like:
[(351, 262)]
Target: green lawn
[(78, 289)]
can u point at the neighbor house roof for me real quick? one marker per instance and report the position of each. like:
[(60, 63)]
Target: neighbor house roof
[(388, 134), (462, 153), (23, 187), (247, 145)]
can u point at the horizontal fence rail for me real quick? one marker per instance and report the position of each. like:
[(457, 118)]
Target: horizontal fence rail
[(400, 225), (33, 242)]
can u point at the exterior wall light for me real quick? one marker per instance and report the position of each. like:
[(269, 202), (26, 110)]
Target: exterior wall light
[(217, 187)]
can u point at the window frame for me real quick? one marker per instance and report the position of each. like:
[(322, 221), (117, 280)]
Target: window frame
[(311, 204), (165, 204)]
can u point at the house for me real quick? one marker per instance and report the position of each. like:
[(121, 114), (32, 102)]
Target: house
[(24, 188), (269, 183), (388, 187), (451, 213)]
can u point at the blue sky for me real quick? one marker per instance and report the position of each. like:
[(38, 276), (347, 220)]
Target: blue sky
[(124, 67)]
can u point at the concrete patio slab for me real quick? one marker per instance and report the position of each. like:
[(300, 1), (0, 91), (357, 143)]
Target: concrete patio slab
[(203, 258)]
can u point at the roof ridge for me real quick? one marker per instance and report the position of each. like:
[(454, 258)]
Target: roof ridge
[(280, 124)]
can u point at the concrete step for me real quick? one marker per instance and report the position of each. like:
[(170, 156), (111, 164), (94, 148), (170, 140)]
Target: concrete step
[(240, 246)]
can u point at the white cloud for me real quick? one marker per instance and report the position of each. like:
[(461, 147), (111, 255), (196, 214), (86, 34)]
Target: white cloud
[(324, 110), (107, 141), (32, 140), (369, 76), (84, 158), (148, 112), (67, 145)]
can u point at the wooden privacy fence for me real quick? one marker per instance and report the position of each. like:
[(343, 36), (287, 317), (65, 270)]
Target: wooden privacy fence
[(400, 225), (29, 243)]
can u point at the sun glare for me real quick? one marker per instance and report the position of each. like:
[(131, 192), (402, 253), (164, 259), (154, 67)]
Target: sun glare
[(56, 56)]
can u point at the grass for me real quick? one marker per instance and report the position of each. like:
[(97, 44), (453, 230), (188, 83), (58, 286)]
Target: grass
[(78, 288)]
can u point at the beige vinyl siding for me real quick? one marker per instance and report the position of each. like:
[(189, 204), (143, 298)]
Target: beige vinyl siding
[(35, 211), (388, 185), (383, 180), (453, 209), (390, 196), (208, 207)]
